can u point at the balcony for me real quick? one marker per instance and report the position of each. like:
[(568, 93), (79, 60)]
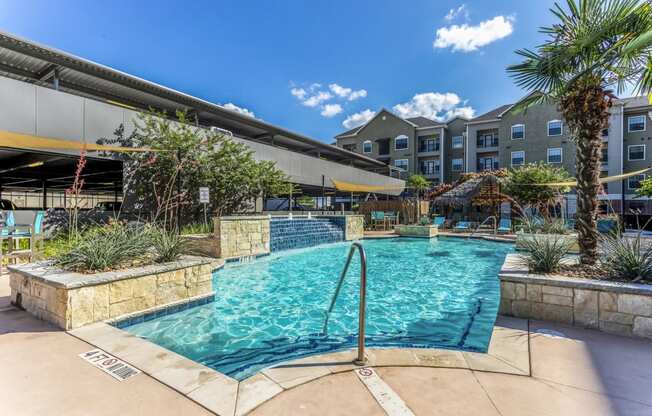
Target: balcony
[(487, 144)]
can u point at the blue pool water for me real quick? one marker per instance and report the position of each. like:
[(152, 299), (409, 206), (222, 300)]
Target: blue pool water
[(441, 292)]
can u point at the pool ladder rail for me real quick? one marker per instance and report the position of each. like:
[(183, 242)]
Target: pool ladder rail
[(363, 295), (492, 217)]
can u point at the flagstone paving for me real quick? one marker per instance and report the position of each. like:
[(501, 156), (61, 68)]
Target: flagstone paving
[(532, 368)]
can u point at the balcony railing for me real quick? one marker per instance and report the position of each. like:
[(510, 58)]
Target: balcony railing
[(485, 143), (428, 147)]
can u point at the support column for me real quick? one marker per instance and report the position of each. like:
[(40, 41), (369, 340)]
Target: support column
[(44, 185)]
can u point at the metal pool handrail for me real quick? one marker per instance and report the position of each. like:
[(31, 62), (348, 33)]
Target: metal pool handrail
[(363, 295), (492, 217)]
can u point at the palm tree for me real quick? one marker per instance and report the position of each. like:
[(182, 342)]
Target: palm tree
[(594, 46), (419, 184)]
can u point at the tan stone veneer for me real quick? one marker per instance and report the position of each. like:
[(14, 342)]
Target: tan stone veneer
[(242, 236), (614, 307), (423, 231), (354, 227), (70, 300)]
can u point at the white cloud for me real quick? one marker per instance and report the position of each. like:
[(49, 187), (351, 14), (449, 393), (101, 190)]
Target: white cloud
[(433, 105), (467, 38), (241, 110), (316, 99), (358, 119), (347, 93), (357, 94), (331, 110), (300, 93), (456, 12), (340, 91)]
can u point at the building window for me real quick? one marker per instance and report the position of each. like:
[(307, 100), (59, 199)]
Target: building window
[(350, 147), (367, 146), (636, 123), (604, 155), (634, 182), (554, 128), (518, 131), (518, 158), (429, 167), (636, 152), (488, 163), (429, 144), (458, 142), (555, 155), (401, 164), (487, 140), (457, 165), (401, 142)]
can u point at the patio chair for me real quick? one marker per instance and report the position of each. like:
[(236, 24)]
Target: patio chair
[(34, 232), (462, 226), (439, 221), (606, 225), (505, 225), (391, 218), (569, 223), (377, 218)]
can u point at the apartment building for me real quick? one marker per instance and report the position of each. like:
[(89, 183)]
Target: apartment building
[(503, 138)]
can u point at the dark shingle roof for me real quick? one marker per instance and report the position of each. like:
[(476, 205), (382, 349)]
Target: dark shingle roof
[(350, 132), (491, 115), (423, 122)]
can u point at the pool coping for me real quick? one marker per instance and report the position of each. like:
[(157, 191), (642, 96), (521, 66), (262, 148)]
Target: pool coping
[(508, 353)]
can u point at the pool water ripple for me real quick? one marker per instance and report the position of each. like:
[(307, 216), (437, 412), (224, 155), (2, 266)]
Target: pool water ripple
[(273, 309)]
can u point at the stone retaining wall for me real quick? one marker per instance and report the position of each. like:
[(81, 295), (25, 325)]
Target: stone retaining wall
[(618, 308), (241, 236), (354, 229), (70, 300)]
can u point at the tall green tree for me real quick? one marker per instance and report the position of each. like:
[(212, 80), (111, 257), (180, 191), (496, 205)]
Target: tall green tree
[(593, 47), (520, 181), (419, 184)]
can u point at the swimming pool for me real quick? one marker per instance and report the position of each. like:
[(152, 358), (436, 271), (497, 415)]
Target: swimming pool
[(441, 292)]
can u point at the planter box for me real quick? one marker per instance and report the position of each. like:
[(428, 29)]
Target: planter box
[(614, 307), (572, 239), (422, 231), (70, 300), (202, 245)]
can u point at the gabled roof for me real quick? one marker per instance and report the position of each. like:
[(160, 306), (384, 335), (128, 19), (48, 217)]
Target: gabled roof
[(491, 115), (417, 122), (423, 122)]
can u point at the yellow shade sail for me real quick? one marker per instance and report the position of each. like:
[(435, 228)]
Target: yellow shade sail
[(607, 179), (26, 141), (357, 187)]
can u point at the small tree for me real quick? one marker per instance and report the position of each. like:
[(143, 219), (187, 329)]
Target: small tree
[(419, 184), (526, 185), (165, 181), (645, 190)]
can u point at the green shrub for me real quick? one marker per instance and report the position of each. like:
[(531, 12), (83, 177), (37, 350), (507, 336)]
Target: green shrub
[(424, 221), (537, 225), (106, 248), (167, 245), (626, 257), (544, 254), (197, 228)]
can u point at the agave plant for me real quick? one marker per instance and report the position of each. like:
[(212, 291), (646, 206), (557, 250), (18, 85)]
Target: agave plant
[(537, 225), (627, 257), (544, 254), (167, 245)]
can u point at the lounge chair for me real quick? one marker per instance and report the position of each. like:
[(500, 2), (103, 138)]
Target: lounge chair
[(505, 225), (439, 221), (462, 226), (570, 223), (606, 225), (377, 218)]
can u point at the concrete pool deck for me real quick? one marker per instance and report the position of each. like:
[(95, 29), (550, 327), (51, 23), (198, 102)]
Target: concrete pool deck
[(533, 367)]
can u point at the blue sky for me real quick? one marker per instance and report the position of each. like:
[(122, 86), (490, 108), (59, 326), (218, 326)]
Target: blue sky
[(310, 66)]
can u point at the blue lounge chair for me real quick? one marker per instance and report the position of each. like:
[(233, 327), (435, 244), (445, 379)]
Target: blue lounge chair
[(439, 221), (377, 218), (570, 223), (605, 226), (10, 222), (462, 226), (505, 225)]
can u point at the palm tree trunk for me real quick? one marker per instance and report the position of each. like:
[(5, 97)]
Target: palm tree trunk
[(586, 111)]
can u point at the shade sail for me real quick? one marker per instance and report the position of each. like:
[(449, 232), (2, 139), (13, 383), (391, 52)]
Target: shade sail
[(27, 141), (358, 187), (607, 179)]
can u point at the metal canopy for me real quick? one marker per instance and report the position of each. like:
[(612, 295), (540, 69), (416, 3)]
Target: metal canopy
[(29, 62)]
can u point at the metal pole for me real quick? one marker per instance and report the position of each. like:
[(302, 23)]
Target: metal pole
[(179, 193), (361, 360), (45, 194)]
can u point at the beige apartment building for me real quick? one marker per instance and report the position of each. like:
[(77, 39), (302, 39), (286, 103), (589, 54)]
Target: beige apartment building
[(504, 138)]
